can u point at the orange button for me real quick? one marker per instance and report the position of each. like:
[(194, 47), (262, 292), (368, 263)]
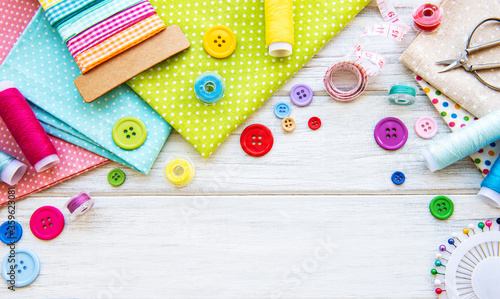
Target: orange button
[(219, 41)]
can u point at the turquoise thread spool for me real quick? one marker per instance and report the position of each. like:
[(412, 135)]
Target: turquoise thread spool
[(209, 88), (402, 95), (11, 170), (490, 186), (464, 142)]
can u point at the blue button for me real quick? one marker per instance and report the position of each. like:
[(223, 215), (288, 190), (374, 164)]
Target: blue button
[(20, 269), (282, 110), (398, 178), (10, 232)]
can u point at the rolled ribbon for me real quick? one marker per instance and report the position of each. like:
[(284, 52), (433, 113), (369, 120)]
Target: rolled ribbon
[(107, 28), (46, 4), (94, 15), (119, 42), (279, 27), (490, 186), (11, 170), (66, 9)]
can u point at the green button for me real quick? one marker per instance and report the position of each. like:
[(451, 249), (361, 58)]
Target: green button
[(441, 207), (116, 177), (129, 133)]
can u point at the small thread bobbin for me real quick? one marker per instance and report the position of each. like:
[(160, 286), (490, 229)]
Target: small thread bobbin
[(427, 17), (209, 88), (402, 94), (79, 205), (179, 172)]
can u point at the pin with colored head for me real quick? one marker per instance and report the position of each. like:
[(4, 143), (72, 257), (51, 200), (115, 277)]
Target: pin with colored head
[(451, 241), (498, 222), (455, 236), (471, 227), (481, 225), (439, 264), (435, 272), (443, 248), (437, 282), (439, 291), (466, 231), (488, 224)]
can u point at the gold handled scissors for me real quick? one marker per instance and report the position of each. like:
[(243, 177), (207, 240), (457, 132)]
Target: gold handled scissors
[(462, 61)]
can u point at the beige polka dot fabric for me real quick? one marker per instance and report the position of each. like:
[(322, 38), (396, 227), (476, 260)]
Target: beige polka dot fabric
[(251, 76)]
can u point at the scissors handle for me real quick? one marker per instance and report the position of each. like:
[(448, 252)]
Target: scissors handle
[(483, 66), (483, 46)]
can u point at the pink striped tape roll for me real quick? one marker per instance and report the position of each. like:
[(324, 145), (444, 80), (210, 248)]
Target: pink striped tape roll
[(109, 27)]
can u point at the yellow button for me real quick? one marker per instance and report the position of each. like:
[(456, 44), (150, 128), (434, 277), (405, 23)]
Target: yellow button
[(129, 133), (219, 41), (288, 124)]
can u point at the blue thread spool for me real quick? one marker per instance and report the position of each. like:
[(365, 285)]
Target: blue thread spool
[(209, 88), (490, 186), (402, 95), (11, 170)]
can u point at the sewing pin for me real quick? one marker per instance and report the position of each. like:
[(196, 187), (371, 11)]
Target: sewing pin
[(481, 225), (455, 235), (439, 264), (434, 272), (443, 248), (466, 231), (488, 224), (451, 241), (471, 226)]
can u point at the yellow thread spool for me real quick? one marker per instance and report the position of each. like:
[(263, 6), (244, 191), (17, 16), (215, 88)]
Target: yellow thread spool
[(279, 27), (179, 172)]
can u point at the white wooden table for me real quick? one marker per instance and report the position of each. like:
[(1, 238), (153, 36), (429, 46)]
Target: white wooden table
[(317, 217)]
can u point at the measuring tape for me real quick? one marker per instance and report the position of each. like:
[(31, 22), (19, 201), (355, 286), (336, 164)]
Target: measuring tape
[(363, 63)]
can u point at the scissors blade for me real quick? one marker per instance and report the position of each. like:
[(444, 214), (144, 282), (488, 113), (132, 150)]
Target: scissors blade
[(449, 61), (453, 65)]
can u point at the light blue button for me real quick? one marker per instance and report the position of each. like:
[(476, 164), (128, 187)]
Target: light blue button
[(10, 232), (209, 88), (282, 110), (20, 269)]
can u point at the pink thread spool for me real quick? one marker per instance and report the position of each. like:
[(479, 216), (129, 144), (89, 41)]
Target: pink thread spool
[(79, 205), (26, 129), (427, 17)]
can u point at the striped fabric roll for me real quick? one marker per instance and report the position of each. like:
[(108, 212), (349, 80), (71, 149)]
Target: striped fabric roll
[(119, 43), (66, 9), (109, 27), (46, 4), (92, 16)]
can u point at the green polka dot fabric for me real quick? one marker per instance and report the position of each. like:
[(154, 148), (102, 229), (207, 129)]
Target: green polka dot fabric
[(251, 76)]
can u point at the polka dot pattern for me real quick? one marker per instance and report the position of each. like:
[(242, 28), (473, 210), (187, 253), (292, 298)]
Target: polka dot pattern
[(456, 117), (43, 70), (74, 161), (251, 75)]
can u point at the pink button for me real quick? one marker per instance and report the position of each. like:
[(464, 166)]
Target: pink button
[(46, 223), (426, 127)]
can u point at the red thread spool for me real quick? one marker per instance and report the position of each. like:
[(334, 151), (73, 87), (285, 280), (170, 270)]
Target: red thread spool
[(26, 129), (427, 17)]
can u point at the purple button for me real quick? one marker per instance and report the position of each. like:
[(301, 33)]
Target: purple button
[(391, 133), (301, 95)]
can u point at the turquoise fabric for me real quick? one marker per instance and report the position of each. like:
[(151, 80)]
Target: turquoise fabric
[(43, 70)]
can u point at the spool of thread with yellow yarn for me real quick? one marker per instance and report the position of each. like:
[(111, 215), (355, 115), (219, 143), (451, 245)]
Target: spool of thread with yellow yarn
[(279, 27), (179, 172)]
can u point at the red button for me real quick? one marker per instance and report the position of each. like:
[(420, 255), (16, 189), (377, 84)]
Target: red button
[(256, 140), (46, 223), (314, 123)]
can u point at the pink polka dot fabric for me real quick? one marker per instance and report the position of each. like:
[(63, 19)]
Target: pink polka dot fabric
[(14, 17)]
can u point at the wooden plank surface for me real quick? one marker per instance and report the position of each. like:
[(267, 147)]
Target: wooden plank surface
[(233, 233)]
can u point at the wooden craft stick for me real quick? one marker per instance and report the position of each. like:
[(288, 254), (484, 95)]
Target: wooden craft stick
[(130, 63)]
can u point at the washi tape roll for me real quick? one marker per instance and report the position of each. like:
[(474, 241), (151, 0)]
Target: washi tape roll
[(209, 88), (427, 17), (402, 94), (279, 27)]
